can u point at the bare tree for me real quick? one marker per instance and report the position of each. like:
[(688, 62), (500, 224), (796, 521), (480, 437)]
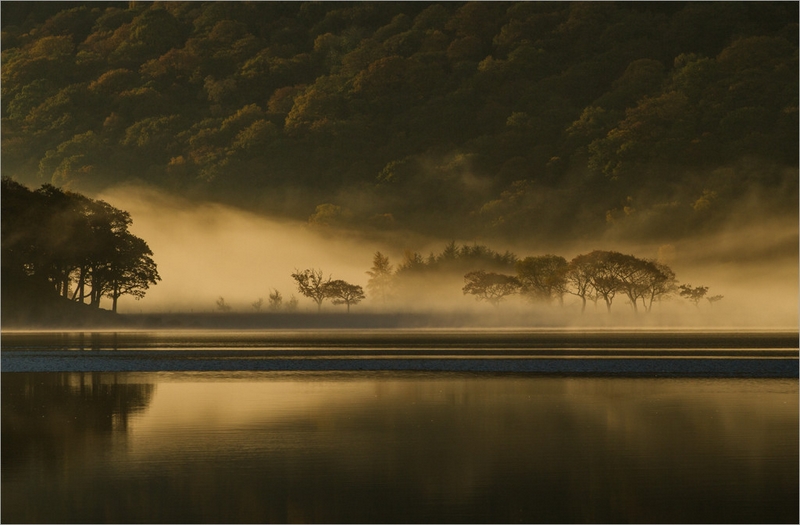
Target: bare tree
[(275, 300), (258, 304), (222, 306), (311, 284), (291, 304)]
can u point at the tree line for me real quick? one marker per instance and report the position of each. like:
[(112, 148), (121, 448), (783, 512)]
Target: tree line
[(600, 277), (77, 247)]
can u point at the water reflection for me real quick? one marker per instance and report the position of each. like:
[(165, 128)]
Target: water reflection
[(384, 447), (48, 419)]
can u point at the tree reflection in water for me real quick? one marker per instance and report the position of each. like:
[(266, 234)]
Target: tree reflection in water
[(49, 417), (386, 447)]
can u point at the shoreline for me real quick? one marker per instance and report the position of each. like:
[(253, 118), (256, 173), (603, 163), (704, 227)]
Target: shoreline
[(774, 367), (457, 320), (609, 353)]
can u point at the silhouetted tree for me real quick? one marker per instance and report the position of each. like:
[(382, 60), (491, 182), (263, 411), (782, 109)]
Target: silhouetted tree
[(606, 274), (222, 306), (640, 279), (311, 284), (489, 286), (695, 294), (275, 300), (380, 277), (80, 246), (660, 284), (579, 275), (291, 304), (130, 271), (543, 277), (342, 292)]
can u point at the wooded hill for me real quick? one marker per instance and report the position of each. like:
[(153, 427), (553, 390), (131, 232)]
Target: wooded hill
[(530, 119)]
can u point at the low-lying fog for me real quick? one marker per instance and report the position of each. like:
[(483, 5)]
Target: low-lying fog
[(208, 251)]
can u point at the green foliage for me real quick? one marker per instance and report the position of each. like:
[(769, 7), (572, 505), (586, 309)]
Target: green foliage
[(457, 259), (558, 111)]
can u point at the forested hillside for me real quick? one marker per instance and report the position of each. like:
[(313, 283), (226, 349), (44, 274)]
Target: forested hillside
[(530, 119)]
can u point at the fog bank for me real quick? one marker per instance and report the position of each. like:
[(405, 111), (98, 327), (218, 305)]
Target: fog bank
[(206, 251)]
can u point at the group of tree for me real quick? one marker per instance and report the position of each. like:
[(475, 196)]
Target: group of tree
[(77, 247), (697, 294), (599, 277), (276, 303), (312, 284), (479, 117), (593, 277)]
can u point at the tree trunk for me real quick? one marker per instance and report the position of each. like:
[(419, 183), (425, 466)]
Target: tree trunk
[(82, 284)]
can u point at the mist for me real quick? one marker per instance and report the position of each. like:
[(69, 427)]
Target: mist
[(205, 251)]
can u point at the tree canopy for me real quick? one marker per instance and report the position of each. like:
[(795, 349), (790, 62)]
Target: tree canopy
[(71, 245), (457, 118)]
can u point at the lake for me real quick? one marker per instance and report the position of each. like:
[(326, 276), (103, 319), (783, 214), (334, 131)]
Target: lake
[(399, 426)]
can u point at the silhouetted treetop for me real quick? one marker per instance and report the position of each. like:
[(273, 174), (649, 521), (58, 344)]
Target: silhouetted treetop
[(64, 243)]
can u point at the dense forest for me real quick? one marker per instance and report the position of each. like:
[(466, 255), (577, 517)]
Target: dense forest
[(480, 119)]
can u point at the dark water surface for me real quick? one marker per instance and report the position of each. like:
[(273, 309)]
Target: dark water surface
[(259, 444)]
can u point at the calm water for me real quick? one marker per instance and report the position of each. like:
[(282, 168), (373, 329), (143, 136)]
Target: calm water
[(391, 445)]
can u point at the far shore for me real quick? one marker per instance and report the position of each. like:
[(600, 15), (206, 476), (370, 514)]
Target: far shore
[(105, 320)]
